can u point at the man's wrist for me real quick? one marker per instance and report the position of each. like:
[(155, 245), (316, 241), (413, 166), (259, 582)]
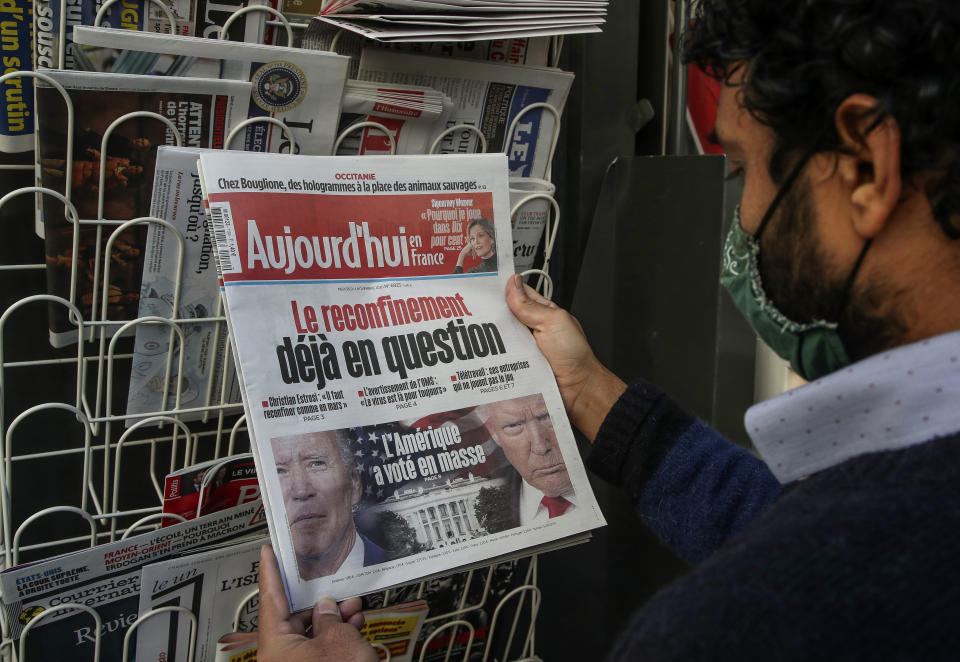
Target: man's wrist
[(600, 391)]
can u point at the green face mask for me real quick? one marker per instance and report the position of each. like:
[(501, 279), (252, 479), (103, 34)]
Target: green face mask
[(813, 349)]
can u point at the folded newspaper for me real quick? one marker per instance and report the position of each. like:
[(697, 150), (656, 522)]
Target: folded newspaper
[(411, 114), (432, 20), (218, 586), (301, 89), (201, 18), (486, 95), (182, 274), (514, 50), (202, 111), (403, 421)]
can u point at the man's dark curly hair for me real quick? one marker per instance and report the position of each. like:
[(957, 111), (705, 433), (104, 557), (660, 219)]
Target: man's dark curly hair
[(802, 58)]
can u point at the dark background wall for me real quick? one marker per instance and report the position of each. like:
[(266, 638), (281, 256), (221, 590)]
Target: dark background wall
[(637, 260)]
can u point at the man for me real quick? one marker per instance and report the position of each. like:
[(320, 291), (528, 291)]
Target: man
[(321, 485), (334, 635), (523, 429), (842, 543)]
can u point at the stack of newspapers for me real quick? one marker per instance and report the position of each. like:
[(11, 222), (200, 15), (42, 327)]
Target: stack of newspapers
[(426, 103), (462, 20)]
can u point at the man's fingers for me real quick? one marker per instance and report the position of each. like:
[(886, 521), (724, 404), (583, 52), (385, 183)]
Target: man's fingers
[(350, 607), (325, 614), (300, 621), (528, 306), (357, 620), (536, 296), (274, 611)]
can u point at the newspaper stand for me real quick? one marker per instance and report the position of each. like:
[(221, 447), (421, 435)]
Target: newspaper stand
[(220, 432)]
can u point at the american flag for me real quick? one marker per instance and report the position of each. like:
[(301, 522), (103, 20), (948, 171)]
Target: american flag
[(369, 450)]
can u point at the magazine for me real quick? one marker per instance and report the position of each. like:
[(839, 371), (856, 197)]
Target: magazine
[(205, 488), (177, 199), (303, 89), (392, 397), (106, 578), (218, 586), (203, 110), (237, 647), (488, 96), (395, 628), (472, 597)]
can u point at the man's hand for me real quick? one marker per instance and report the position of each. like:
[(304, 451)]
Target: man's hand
[(283, 637), (587, 388)]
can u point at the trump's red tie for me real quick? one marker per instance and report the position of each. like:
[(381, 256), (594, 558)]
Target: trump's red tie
[(556, 506)]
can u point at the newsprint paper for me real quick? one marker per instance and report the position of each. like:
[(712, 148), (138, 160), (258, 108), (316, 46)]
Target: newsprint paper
[(404, 423), (218, 586), (105, 578)]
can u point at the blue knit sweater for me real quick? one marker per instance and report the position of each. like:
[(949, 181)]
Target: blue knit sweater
[(858, 562)]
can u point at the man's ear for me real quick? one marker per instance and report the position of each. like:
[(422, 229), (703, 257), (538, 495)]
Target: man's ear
[(357, 487), (871, 168)]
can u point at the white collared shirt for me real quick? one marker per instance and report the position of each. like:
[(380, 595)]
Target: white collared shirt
[(354, 560), (532, 511), (895, 399)]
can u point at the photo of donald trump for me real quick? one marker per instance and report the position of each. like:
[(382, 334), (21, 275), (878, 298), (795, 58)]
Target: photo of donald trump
[(522, 428), (320, 483)]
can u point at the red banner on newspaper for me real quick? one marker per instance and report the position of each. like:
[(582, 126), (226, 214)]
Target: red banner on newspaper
[(294, 236)]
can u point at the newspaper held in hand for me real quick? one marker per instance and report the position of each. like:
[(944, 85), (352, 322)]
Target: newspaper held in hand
[(403, 421)]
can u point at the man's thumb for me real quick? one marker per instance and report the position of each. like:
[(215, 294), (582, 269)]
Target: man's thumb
[(526, 309), (325, 613)]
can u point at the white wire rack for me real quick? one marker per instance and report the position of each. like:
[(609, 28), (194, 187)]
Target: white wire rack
[(77, 471)]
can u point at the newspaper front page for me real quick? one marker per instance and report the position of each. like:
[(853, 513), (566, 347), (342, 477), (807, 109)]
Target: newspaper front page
[(404, 423), (202, 110)]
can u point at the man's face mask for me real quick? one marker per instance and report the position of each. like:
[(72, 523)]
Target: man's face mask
[(814, 349)]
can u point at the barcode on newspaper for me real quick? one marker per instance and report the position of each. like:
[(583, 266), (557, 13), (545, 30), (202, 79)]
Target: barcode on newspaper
[(228, 256)]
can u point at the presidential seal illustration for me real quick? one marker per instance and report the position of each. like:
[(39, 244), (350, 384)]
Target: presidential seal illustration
[(279, 86)]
